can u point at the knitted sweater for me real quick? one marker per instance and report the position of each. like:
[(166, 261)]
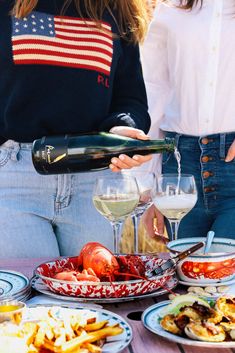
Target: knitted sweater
[(60, 74)]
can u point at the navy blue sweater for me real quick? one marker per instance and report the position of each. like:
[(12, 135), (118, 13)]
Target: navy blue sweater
[(60, 75)]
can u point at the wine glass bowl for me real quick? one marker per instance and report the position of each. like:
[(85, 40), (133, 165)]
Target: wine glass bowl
[(146, 183), (116, 198), (176, 195)]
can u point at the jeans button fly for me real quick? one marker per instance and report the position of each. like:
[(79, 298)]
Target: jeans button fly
[(205, 159), (206, 175), (205, 141)]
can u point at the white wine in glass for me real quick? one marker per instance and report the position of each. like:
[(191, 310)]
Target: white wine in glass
[(116, 198), (175, 196)]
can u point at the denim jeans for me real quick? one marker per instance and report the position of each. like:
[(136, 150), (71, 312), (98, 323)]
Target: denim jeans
[(204, 157), (46, 215)]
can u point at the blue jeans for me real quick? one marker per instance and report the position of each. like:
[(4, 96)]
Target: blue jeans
[(204, 158), (46, 215)]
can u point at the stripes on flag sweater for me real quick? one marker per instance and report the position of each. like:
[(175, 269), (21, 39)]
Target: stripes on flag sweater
[(60, 74)]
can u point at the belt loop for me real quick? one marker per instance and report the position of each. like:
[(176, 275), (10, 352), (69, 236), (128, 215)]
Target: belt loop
[(14, 152), (222, 146), (177, 137)]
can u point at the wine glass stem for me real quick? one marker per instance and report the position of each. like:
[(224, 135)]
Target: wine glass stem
[(174, 229), (136, 222), (117, 226)]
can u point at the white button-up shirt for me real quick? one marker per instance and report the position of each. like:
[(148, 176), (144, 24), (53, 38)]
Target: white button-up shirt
[(189, 68)]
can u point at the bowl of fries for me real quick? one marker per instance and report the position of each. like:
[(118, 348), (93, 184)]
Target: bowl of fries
[(89, 289), (11, 310), (66, 330)]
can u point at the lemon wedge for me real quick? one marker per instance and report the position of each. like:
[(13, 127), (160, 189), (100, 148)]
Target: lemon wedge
[(180, 301)]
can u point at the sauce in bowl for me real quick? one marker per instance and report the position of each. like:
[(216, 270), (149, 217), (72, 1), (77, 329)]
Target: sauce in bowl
[(11, 310), (9, 307)]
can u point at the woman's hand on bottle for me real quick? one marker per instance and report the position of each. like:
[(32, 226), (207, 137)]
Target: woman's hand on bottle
[(231, 153), (124, 161), (150, 217)]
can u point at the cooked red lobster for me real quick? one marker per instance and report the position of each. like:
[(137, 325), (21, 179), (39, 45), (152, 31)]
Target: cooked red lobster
[(97, 263)]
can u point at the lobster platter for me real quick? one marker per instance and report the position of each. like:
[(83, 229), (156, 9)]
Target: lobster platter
[(97, 273), (40, 287)]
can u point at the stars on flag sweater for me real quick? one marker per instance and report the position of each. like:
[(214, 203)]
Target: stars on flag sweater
[(44, 39)]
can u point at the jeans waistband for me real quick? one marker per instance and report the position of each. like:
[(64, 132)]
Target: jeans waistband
[(15, 144), (26, 145), (205, 139), (205, 142)]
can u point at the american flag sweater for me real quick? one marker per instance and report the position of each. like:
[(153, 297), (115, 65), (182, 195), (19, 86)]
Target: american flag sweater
[(60, 74)]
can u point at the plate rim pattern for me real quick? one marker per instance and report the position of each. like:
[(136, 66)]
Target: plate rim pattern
[(124, 343), (111, 300), (174, 338)]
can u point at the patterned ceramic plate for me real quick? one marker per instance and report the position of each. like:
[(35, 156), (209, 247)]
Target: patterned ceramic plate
[(113, 344), (150, 319), (41, 288), (12, 283), (115, 289)]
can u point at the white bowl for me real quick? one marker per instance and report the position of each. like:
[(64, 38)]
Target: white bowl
[(216, 266)]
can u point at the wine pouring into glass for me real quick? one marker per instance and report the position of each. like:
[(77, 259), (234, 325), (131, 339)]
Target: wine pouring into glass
[(147, 184), (176, 195), (116, 198)]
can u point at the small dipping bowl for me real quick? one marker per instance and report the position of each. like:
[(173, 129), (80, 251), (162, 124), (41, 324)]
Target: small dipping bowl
[(11, 310), (216, 266)]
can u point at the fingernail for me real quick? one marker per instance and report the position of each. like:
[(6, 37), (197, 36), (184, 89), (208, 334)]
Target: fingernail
[(122, 157), (227, 159), (111, 166), (136, 158), (114, 161)]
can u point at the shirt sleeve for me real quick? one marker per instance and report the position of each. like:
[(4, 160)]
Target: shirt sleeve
[(129, 101), (155, 69)]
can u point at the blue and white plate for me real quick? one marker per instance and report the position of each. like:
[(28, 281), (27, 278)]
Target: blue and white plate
[(13, 285), (114, 344), (151, 320)]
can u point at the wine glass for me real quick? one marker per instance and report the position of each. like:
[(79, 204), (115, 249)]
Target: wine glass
[(147, 185), (176, 195), (116, 198)]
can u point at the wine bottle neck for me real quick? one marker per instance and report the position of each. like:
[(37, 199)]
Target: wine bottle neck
[(167, 144)]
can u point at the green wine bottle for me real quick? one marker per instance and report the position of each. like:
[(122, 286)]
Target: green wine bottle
[(89, 152)]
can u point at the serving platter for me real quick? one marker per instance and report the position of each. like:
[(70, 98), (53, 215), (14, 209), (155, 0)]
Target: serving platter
[(150, 319), (101, 289), (38, 285), (113, 344)]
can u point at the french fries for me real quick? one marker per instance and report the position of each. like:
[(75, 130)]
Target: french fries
[(67, 335)]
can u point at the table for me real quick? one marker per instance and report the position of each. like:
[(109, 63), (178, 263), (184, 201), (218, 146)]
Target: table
[(143, 340)]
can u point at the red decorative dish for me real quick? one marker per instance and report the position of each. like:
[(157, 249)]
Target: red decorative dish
[(88, 289), (216, 266)]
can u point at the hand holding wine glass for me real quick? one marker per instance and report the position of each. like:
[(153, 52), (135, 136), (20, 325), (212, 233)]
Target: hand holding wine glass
[(116, 198), (176, 195)]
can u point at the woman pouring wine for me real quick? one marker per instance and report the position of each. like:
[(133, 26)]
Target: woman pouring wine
[(66, 67)]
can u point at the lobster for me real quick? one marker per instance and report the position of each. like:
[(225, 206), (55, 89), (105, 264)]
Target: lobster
[(106, 266), (75, 276)]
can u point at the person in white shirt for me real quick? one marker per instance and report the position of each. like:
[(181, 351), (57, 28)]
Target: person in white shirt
[(189, 68)]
